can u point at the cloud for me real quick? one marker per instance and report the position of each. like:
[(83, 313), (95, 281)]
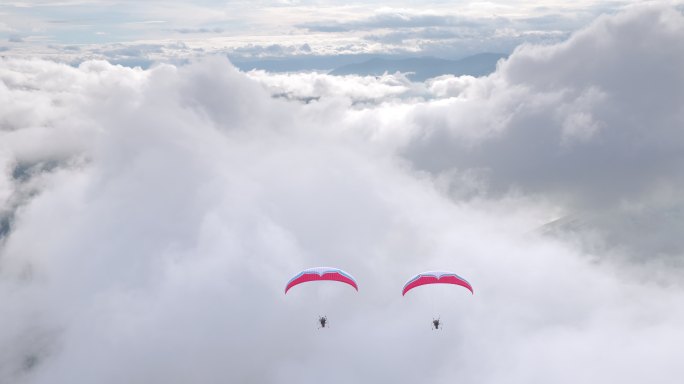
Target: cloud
[(392, 20), (270, 50), (200, 30), (599, 132), (423, 33), (220, 26), (355, 89), (155, 215), (600, 126), (445, 31)]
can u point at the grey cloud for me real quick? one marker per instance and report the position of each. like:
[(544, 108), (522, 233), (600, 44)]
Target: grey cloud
[(393, 21), (137, 50), (594, 122), (551, 21), (200, 30), (426, 33), (65, 48), (251, 51), (138, 55), (474, 26), (456, 36), (649, 234), (572, 120)]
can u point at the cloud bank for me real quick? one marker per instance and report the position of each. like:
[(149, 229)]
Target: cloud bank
[(277, 29), (150, 218)]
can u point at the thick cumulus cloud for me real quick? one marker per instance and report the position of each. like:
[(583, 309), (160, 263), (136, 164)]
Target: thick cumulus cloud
[(595, 121), (588, 115), (150, 218)]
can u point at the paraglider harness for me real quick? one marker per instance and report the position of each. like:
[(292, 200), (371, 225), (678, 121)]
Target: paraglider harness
[(323, 320), (435, 323)]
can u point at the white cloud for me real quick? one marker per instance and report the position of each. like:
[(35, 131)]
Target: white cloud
[(179, 200), (438, 28), (607, 87), (357, 89)]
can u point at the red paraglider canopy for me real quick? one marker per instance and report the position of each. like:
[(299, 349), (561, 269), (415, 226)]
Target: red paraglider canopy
[(435, 277), (320, 274)]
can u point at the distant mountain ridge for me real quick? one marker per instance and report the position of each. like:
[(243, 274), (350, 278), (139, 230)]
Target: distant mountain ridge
[(420, 68), (423, 68)]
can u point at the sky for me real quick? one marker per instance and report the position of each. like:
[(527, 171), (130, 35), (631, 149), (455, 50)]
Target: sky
[(150, 217), (141, 33)]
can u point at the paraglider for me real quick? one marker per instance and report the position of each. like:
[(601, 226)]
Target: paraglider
[(435, 277), (435, 323), (322, 274)]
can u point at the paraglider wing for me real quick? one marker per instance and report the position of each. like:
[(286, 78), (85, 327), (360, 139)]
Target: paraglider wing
[(435, 277), (321, 274)]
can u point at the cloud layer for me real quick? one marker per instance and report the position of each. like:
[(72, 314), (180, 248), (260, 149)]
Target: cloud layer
[(150, 218), (278, 29)]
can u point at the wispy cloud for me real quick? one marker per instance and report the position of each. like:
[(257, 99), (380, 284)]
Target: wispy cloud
[(200, 30), (393, 20), (364, 28)]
